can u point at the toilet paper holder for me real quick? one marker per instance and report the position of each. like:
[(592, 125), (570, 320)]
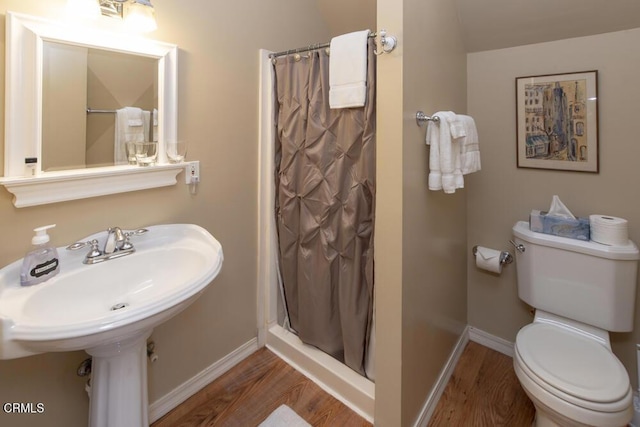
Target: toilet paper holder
[(505, 257)]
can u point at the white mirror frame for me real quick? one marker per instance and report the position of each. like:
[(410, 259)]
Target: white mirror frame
[(23, 116)]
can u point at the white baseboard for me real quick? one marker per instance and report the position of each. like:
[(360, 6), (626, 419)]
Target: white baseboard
[(436, 392), (162, 406), (470, 334), (491, 341)]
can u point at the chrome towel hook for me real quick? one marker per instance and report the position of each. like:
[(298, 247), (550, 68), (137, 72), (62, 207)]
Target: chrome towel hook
[(385, 43)]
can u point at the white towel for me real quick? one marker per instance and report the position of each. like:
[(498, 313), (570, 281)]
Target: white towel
[(129, 128), (457, 128), (455, 151), (469, 145), (444, 155), (154, 134), (147, 122), (348, 70)]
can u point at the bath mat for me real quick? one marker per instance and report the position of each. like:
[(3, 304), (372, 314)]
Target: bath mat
[(284, 417)]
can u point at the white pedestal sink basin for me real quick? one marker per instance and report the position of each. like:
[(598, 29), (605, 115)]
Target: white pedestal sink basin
[(109, 309)]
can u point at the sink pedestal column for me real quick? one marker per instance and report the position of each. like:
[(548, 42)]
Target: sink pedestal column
[(119, 383)]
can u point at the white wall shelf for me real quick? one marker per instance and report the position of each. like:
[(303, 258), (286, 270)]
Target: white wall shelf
[(53, 187)]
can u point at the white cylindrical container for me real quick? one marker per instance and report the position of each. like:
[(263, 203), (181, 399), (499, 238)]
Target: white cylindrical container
[(609, 230)]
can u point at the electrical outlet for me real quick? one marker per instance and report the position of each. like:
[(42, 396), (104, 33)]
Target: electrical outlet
[(192, 172)]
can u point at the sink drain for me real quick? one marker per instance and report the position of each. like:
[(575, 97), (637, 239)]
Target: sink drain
[(119, 306)]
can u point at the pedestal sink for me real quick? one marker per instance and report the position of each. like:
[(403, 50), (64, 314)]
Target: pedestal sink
[(109, 310)]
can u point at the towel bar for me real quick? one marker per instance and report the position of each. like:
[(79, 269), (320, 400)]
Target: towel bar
[(92, 110), (423, 118), (505, 257)]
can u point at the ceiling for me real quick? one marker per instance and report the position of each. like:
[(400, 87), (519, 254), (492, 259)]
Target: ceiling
[(497, 24)]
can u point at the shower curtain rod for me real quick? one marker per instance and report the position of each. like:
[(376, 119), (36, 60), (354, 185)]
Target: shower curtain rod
[(308, 48)]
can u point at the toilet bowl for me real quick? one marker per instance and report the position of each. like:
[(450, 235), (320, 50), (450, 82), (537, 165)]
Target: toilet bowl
[(580, 291), (572, 378)]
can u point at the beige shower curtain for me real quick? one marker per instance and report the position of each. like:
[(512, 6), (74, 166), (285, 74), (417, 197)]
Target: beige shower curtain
[(325, 193)]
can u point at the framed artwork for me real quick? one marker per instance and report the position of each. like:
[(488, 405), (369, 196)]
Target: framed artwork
[(557, 118)]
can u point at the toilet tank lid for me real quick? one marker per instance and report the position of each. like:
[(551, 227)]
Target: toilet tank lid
[(621, 252)]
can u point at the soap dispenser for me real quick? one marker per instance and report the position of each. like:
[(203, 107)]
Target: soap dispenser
[(41, 263)]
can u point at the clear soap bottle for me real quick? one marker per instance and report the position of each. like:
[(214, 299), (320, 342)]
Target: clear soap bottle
[(41, 262)]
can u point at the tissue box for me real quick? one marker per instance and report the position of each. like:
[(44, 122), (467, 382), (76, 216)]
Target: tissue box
[(565, 227)]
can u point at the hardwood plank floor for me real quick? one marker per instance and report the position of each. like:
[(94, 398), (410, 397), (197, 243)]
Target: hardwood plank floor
[(250, 391), (483, 391)]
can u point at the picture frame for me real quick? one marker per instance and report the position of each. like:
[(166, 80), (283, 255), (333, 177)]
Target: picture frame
[(557, 121)]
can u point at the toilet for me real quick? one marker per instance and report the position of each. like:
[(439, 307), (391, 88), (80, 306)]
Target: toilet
[(563, 360)]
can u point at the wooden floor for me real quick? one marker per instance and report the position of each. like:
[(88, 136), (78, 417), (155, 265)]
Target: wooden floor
[(250, 391), (483, 391)]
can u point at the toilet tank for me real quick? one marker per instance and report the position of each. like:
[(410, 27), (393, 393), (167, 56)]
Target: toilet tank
[(584, 281)]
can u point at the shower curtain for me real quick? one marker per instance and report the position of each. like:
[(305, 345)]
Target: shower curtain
[(325, 194)]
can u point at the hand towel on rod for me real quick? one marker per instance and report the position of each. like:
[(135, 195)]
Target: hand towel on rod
[(444, 155), (348, 70), (129, 127), (147, 123), (455, 151), (154, 132), (469, 146)]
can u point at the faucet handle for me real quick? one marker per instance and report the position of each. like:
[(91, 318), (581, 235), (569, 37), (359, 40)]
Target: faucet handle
[(137, 232), (127, 244), (94, 252)]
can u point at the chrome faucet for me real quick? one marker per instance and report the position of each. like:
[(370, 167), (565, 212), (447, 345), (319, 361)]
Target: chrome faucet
[(115, 240), (116, 245)]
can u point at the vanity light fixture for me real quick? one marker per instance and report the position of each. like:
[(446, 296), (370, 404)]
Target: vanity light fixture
[(138, 15), (83, 9)]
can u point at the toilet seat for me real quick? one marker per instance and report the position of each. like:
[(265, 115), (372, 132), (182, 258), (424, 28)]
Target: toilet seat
[(573, 367)]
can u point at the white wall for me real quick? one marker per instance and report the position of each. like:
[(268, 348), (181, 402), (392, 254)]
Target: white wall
[(502, 194)]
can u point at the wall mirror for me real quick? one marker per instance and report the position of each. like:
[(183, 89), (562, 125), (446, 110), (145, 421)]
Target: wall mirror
[(83, 89), (58, 146)]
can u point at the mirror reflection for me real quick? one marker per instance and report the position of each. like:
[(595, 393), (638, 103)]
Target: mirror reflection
[(95, 102)]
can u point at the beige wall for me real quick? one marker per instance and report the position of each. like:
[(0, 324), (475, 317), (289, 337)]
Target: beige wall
[(502, 194), (388, 227), (434, 309), (347, 16), (420, 235), (218, 109)]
